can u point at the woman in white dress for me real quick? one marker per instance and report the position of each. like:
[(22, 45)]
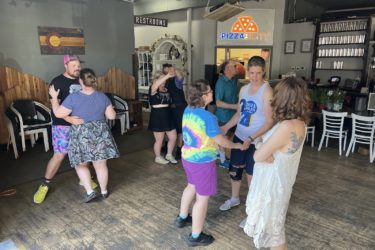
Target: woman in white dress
[(276, 163)]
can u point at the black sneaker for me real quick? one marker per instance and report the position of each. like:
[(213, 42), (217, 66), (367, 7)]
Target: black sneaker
[(105, 196), (202, 240), (89, 197), (179, 222)]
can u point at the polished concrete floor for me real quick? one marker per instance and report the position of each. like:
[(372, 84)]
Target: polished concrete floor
[(332, 205)]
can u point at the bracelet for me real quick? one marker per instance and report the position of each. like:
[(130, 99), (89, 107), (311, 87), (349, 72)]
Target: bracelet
[(251, 138)]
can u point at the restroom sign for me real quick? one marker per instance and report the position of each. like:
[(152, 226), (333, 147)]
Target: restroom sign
[(252, 26)]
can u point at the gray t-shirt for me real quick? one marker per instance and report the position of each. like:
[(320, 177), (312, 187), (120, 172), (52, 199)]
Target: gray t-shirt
[(88, 107)]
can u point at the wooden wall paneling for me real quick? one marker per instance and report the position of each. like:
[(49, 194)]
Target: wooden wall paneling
[(16, 85)]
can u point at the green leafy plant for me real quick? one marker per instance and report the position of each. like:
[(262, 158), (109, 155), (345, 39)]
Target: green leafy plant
[(338, 96)]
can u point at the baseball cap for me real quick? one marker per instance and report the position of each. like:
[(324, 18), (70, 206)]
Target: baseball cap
[(69, 58)]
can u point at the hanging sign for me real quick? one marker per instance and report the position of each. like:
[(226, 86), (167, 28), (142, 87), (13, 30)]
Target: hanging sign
[(251, 27), (152, 21)]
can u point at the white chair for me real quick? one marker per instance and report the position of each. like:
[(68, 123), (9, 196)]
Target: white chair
[(12, 138), (32, 118), (362, 132), (333, 123), (122, 111), (310, 130)]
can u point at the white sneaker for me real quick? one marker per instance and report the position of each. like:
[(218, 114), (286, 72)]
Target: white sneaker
[(161, 160), (228, 205), (170, 158), (243, 223)]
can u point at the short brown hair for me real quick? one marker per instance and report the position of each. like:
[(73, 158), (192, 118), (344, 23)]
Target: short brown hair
[(196, 90), (290, 100)]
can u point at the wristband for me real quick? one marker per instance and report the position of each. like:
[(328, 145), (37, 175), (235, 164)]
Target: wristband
[(251, 138)]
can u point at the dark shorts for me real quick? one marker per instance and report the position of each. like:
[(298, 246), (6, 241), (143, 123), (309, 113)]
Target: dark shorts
[(243, 158), (177, 113), (202, 175), (231, 130)]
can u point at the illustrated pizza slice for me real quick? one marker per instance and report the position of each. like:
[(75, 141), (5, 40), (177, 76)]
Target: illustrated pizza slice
[(252, 27), (245, 20), (237, 27)]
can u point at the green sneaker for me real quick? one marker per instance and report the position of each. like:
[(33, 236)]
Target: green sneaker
[(93, 184), (40, 195)]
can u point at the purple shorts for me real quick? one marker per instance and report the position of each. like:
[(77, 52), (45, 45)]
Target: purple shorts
[(60, 138), (202, 175)]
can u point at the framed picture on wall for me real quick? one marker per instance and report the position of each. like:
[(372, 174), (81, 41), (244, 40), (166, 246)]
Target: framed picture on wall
[(289, 47), (306, 45)]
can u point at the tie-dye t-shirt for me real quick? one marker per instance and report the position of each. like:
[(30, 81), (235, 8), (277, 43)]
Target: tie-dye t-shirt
[(198, 129)]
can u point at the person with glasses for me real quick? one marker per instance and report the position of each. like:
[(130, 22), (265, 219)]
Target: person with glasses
[(201, 135)]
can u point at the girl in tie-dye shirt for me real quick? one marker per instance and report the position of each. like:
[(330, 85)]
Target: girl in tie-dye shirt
[(202, 136)]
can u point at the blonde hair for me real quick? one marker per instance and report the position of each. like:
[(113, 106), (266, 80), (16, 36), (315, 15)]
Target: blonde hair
[(156, 75)]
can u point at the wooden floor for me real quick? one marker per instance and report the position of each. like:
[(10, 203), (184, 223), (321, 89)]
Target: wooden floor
[(332, 207)]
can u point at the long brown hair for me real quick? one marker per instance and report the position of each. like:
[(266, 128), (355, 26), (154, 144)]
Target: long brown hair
[(290, 100)]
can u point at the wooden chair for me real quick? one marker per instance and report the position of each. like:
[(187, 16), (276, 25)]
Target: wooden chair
[(362, 132), (333, 123)]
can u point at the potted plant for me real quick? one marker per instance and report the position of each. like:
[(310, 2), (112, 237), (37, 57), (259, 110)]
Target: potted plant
[(323, 97), (338, 99), (330, 99)]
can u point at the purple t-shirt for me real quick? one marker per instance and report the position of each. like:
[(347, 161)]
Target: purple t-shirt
[(88, 107)]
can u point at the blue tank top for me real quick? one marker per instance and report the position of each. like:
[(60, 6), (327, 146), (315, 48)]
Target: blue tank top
[(252, 116)]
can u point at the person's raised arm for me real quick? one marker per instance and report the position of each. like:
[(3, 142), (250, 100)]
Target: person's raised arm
[(155, 85), (59, 110)]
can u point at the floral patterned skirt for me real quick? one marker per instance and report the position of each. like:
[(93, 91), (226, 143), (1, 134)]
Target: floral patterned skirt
[(91, 141)]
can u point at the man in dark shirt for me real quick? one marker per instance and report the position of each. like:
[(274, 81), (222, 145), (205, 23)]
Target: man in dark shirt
[(67, 83)]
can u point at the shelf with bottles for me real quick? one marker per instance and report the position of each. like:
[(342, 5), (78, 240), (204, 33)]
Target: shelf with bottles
[(343, 26), (342, 39), (340, 52)]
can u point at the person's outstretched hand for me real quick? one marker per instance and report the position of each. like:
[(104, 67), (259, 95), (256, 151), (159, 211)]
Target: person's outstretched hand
[(53, 92)]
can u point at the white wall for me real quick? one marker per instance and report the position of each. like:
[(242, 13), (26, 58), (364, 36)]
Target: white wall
[(204, 34), (296, 32)]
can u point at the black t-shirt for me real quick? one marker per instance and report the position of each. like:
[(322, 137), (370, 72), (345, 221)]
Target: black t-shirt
[(177, 94), (66, 87), (159, 97)]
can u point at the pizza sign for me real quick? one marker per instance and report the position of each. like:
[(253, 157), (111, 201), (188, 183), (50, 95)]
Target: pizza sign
[(241, 28)]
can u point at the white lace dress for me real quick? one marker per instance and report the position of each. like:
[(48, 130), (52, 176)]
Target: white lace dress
[(268, 198)]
